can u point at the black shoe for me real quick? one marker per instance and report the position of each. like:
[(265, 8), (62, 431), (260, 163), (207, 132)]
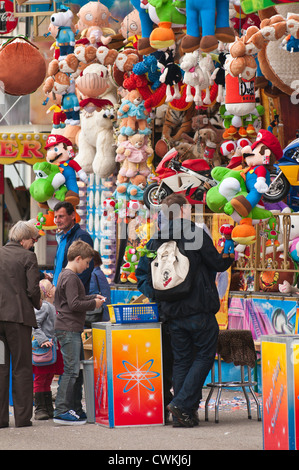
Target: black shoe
[(183, 418)]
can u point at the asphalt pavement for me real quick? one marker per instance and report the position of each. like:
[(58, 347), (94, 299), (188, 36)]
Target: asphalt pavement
[(234, 431)]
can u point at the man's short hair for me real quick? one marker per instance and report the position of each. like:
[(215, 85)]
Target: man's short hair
[(64, 204), (79, 248), (172, 205)]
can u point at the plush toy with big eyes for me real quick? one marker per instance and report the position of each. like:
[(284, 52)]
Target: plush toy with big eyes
[(65, 38)]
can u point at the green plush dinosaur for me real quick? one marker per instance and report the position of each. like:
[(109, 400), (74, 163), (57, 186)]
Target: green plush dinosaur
[(48, 184), (168, 10), (231, 184)]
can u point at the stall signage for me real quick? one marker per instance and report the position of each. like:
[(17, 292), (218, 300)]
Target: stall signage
[(8, 22), (28, 148)]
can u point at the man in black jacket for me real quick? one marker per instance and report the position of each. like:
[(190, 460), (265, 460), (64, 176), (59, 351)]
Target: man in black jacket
[(191, 320), (68, 232)]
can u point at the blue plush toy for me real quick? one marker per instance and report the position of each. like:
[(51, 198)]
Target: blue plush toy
[(201, 28), (147, 25), (149, 66), (65, 38)]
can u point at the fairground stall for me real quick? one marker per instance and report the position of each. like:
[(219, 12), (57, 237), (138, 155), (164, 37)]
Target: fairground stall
[(150, 98)]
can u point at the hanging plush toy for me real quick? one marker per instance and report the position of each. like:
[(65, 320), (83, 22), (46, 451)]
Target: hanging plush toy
[(65, 38), (262, 154), (60, 152), (133, 115), (130, 29), (94, 23), (134, 153), (201, 19), (171, 74), (167, 15), (229, 246), (196, 76)]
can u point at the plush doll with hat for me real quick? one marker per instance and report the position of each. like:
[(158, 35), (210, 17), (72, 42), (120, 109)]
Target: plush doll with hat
[(60, 152), (229, 246), (258, 157)]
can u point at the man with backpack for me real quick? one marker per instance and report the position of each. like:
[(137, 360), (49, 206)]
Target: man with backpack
[(180, 277)]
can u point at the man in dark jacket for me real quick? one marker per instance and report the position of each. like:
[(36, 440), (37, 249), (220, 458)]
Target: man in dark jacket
[(191, 320), (68, 232)]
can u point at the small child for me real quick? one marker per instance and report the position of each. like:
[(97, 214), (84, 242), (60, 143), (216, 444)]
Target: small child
[(71, 303), (44, 334)]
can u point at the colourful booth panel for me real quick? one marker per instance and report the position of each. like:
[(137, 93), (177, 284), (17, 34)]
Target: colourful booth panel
[(128, 374), (280, 388)]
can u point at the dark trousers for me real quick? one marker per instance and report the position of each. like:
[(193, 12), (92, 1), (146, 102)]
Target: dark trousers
[(18, 349), (167, 364), (194, 343)]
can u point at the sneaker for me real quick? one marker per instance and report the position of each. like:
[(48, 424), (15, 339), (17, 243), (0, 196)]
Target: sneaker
[(69, 418), (183, 418)]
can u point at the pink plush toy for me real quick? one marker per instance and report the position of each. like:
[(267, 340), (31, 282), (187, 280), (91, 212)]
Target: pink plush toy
[(134, 153)]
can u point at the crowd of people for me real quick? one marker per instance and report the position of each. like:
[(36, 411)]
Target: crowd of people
[(54, 313), (51, 312)]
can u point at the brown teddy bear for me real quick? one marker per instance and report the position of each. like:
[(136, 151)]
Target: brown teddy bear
[(133, 115), (134, 153)]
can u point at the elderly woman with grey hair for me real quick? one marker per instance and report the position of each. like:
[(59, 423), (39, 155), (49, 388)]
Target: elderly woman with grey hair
[(19, 295)]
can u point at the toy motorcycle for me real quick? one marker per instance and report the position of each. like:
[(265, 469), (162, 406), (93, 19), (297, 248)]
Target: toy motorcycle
[(190, 178), (285, 177)]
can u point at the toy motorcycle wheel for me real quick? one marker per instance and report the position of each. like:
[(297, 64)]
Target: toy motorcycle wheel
[(279, 188), (153, 199)]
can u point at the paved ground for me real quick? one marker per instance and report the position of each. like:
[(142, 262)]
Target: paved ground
[(233, 432)]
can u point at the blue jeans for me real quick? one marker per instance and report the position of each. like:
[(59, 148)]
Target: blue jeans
[(69, 393), (194, 343)]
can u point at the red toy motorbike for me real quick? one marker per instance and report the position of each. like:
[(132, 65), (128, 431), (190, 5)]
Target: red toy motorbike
[(190, 178)]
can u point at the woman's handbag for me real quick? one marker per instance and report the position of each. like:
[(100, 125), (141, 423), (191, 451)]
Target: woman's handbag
[(43, 356), (93, 316)]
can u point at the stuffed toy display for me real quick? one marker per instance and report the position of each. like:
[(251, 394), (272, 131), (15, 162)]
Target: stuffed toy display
[(60, 152)]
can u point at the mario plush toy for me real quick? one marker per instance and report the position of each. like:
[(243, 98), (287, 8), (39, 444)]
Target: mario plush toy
[(258, 157), (60, 152)]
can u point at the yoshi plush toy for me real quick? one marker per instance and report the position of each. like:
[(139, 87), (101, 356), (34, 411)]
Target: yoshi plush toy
[(48, 187), (231, 184)]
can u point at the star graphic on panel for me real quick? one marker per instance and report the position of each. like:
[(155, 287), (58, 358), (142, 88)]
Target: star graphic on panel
[(138, 375)]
